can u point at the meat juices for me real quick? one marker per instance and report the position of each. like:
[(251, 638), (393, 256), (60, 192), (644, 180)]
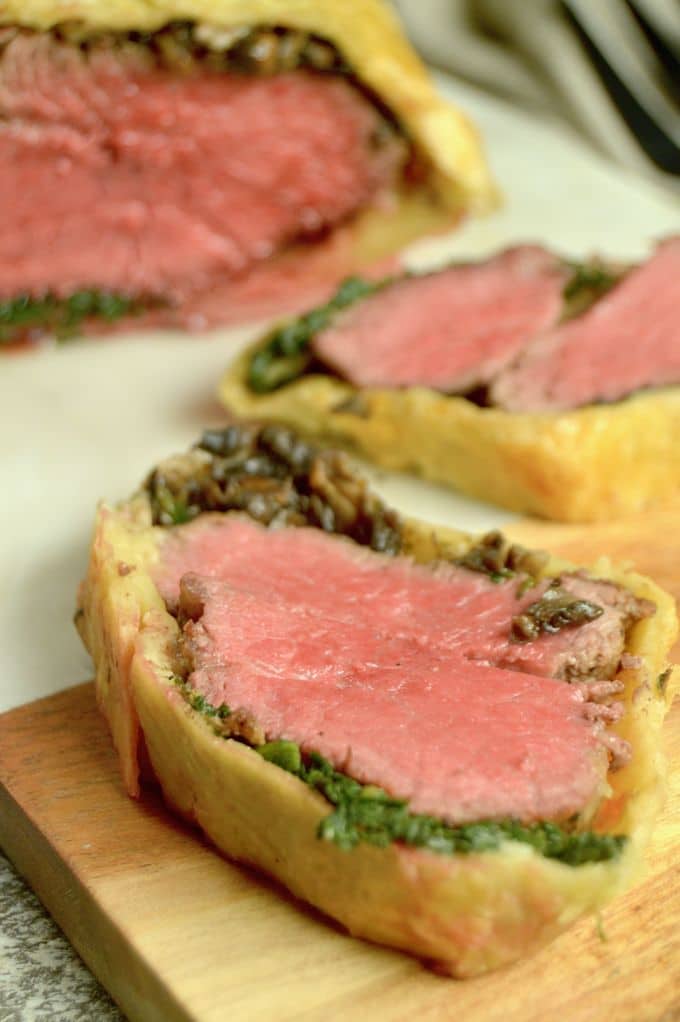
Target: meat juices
[(402, 675)]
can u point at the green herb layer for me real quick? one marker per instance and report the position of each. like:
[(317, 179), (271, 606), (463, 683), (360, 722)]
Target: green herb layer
[(366, 813), (61, 316), (286, 354), (587, 284), (199, 703)]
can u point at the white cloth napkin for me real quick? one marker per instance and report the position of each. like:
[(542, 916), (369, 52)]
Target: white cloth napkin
[(528, 52)]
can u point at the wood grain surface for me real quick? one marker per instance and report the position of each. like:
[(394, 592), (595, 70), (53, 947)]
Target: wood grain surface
[(177, 933)]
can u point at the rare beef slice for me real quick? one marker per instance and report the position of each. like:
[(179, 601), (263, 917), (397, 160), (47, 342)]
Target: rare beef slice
[(421, 742), (129, 177), (627, 340), (452, 330), (401, 675), (524, 331), (190, 171)]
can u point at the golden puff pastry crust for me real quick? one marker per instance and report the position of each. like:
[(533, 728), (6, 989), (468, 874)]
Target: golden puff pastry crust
[(590, 464), (468, 913)]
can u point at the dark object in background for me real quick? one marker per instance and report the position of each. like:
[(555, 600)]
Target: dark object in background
[(612, 70), (644, 100)]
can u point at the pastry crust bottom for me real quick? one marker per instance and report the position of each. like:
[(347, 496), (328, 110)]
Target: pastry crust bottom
[(467, 913), (594, 463)]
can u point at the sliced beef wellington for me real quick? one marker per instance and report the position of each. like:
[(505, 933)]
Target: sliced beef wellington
[(627, 340), (190, 169), (453, 330), (547, 386), (515, 324), (398, 675), (421, 734)]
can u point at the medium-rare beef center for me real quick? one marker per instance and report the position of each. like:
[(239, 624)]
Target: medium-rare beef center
[(359, 655), (154, 182), (177, 172), (419, 734)]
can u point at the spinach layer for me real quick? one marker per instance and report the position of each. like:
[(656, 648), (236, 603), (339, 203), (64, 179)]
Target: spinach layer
[(364, 813), (286, 354), (589, 281), (61, 316)]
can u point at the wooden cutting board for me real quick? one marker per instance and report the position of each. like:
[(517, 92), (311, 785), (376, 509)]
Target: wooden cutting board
[(176, 933)]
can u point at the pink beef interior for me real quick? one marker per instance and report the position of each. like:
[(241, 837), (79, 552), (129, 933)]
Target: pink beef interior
[(451, 330), (627, 340), (398, 712), (124, 176), (402, 675)]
